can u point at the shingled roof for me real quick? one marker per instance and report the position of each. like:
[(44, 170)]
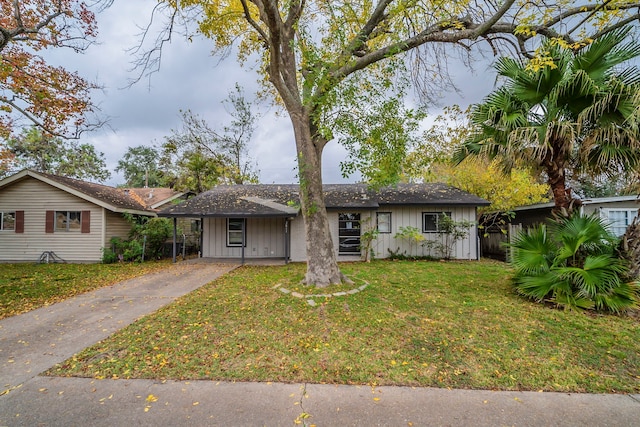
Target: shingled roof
[(278, 200), (111, 198)]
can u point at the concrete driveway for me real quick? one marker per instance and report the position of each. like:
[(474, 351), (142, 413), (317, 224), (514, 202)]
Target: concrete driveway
[(33, 342)]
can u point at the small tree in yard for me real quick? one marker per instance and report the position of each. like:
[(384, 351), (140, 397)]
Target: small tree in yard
[(450, 232), (410, 234), (367, 237)]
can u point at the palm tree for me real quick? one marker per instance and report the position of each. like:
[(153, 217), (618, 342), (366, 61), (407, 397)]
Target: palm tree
[(566, 112), (573, 263)]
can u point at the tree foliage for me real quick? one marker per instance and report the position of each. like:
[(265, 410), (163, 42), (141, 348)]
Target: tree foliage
[(578, 113), (141, 167), (317, 55), (35, 150), (573, 263), (31, 89), (197, 157), (430, 161)]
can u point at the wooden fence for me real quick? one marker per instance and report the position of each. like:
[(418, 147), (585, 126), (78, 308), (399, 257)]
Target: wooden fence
[(492, 242)]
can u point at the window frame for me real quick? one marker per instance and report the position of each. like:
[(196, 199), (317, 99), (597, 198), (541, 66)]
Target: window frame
[(351, 232), (2, 220), (437, 215), (388, 215), (630, 214), (68, 222), (243, 231)]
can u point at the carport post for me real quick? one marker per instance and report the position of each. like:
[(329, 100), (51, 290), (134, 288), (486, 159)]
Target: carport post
[(175, 236), (244, 239)]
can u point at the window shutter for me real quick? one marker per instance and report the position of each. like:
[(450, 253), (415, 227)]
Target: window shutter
[(49, 220), (85, 217), (19, 228)]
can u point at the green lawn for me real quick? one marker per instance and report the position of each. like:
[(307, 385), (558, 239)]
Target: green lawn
[(27, 286), (441, 324)]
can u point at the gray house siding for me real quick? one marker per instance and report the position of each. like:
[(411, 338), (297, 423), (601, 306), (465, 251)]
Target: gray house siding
[(409, 216), (264, 239)]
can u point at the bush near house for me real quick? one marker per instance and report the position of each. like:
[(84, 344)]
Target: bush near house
[(573, 263), (146, 241)]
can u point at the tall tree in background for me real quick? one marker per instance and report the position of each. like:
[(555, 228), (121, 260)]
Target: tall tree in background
[(574, 111), (141, 167), (33, 149), (430, 161), (6, 161), (197, 157), (318, 54), (234, 140), (52, 98)]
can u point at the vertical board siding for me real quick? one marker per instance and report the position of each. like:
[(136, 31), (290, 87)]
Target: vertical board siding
[(410, 216), (35, 198), (264, 239), (298, 240), (265, 236)]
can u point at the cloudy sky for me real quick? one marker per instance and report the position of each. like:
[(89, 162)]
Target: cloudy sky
[(190, 78)]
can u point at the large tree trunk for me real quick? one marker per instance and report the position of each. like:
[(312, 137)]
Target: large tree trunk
[(322, 265), (564, 203)]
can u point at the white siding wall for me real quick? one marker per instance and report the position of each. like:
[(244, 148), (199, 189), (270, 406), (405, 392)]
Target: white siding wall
[(400, 217), (265, 239), (591, 208), (412, 217), (35, 198), (117, 226), (298, 240)]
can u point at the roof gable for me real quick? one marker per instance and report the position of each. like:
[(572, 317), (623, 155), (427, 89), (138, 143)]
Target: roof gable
[(110, 198)]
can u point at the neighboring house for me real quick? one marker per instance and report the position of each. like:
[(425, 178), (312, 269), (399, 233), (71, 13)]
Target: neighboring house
[(264, 221), (618, 211), (42, 213)]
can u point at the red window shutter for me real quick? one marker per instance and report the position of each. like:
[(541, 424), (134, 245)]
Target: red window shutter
[(49, 221), (85, 217), (19, 228)]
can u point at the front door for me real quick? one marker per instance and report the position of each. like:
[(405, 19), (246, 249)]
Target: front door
[(349, 234)]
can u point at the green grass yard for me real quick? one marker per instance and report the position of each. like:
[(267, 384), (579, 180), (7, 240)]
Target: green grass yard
[(441, 324), (27, 286)]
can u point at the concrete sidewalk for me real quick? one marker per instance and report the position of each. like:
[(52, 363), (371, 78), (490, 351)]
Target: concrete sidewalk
[(46, 401), (33, 342)]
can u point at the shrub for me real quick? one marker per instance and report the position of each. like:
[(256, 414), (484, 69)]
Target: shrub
[(156, 230), (147, 236), (573, 263)]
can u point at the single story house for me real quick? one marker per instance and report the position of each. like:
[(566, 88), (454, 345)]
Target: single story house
[(618, 211), (264, 221), (48, 215)]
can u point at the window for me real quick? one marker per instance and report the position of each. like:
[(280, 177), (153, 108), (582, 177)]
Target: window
[(349, 233), (383, 222), (7, 221), (68, 221), (64, 221), (431, 221), (620, 219), (235, 231)]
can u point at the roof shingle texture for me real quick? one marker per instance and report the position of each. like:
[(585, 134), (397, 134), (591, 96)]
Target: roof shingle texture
[(231, 200)]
